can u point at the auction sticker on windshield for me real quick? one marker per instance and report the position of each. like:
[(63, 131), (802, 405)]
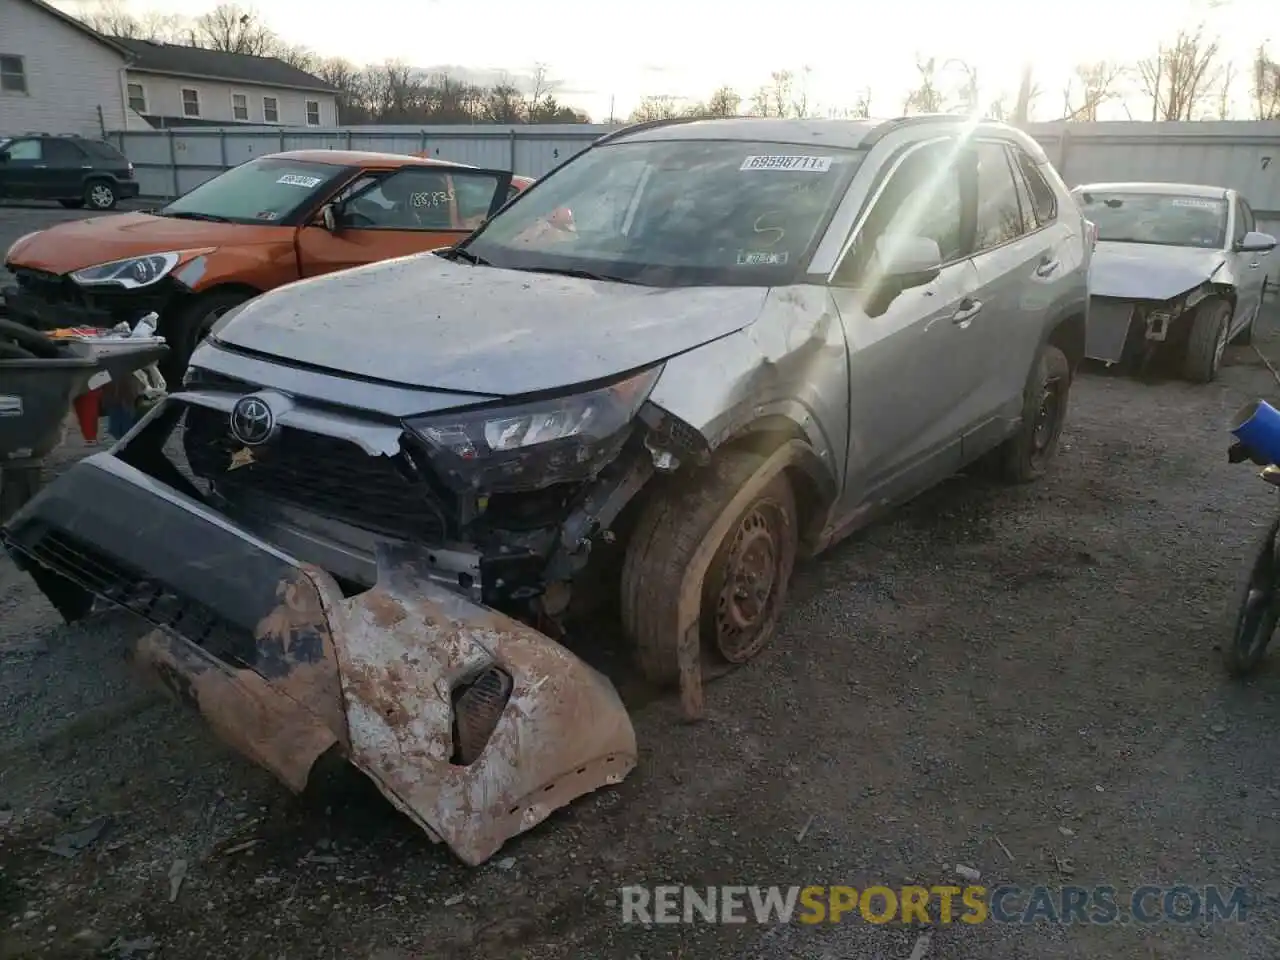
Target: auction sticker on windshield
[(298, 180), (791, 164), (1195, 202)]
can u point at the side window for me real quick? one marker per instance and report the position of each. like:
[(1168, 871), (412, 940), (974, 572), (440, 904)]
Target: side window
[(63, 153), (1029, 224), (25, 150), (922, 199), (1244, 219), (1043, 202), (999, 217), (473, 194), (412, 198)]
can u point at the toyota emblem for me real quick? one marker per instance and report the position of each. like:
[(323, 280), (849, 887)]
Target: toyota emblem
[(252, 422)]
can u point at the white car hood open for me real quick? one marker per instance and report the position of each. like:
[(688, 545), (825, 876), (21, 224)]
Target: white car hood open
[(1148, 271)]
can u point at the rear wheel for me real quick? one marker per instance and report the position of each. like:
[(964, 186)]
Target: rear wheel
[(1027, 454), (745, 585), (1259, 609), (1208, 341), (100, 195)]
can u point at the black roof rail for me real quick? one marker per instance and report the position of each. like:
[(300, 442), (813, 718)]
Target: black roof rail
[(644, 125), (893, 124)]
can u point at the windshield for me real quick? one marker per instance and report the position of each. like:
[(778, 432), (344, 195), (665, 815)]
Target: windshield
[(675, 213), (1160, 218), (260, 191)]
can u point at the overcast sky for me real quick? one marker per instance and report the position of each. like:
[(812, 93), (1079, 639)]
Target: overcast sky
[(602, 50)]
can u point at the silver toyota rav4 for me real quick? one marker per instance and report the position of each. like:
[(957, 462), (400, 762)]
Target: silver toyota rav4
[(692, 353)]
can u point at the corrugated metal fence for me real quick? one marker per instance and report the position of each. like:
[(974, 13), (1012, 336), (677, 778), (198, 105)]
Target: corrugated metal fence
[(170, 162)]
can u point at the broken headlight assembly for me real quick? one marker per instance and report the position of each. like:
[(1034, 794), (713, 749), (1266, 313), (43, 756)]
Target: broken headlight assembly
[(536, 444)]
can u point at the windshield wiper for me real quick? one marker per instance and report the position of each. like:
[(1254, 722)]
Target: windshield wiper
[(581, 274), (457, 253), (211, 218)]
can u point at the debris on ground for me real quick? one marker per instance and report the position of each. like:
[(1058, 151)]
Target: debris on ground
[(805, 829), (177, 873), (70, 845), (127, 949), (969, 873)]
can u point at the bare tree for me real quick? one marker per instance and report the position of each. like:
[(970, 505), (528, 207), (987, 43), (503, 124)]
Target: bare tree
[(1093, 85), (110, 18), (1226, 87), (1266, 86), (660, 107), (1180, 76), (1028, 92), (780, 85), (800, 101), (503, 102), (234, 29), (968, 94), (541, 87), (861, 108), (926, 97), (724, 102)]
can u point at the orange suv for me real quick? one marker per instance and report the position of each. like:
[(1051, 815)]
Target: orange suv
[(265, 223)]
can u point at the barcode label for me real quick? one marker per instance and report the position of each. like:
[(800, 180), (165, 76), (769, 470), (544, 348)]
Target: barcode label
[(790, 164)]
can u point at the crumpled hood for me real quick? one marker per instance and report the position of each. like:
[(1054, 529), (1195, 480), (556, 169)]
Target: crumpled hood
[(84, 243), (427, 322), (1147, 271)]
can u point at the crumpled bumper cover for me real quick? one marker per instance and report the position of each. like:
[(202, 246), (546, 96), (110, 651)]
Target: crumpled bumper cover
[(284, 667)]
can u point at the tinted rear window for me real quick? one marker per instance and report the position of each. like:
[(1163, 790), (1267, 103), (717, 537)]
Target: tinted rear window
[(99, 150)]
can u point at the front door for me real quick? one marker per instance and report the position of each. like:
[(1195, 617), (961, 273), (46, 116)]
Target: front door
[(65, 167), (906, 384), (1248, 269), (25, 170), (388, 214)]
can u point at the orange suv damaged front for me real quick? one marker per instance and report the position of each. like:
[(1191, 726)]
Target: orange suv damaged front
[(255, 227)]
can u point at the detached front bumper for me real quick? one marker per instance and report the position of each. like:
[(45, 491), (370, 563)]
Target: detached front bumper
[(284, 667)]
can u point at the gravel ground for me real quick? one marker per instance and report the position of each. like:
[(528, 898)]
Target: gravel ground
[(1022, 681)]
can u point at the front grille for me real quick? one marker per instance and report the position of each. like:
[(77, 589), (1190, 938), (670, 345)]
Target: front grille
[(325, 475), (49, 287), (152, 601)]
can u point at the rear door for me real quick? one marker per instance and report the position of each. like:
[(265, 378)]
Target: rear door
[(386, 214), (66, 166), (1248, 269), (1018, 266)]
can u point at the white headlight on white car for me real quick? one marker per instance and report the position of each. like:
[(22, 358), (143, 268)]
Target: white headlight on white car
[(131, 273)]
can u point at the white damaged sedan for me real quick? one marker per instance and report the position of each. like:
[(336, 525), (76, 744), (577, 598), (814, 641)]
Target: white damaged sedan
[(1177, 267)]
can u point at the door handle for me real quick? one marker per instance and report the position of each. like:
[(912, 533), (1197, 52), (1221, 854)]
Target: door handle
[(1255, 265), (967, 311), (39, 166), (1047, 267)]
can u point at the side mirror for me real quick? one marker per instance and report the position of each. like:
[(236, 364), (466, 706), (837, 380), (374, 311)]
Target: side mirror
[(906, 262), (1255, 242), (329, 218)]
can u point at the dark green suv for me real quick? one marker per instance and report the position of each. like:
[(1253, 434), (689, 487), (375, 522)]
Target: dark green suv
[(75, 171)]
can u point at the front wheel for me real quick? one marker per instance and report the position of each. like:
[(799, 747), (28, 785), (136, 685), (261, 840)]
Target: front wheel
[(746, 583), (1259, 608), (1027, 454), (1210, 330), (187, 326)]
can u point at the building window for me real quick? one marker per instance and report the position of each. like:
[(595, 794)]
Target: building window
[(13, 74), (313, 113), (137, 98), (190, 102), (270, 109), (239, 106)]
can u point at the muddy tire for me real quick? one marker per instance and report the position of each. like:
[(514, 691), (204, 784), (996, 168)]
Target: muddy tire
[(1026, 455), (186, 327), (1259, 607), (1207, 341), (746, 584)]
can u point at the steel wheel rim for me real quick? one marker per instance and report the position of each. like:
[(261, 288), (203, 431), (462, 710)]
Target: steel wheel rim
[(749, 588), (1048, 420), (101, 196)]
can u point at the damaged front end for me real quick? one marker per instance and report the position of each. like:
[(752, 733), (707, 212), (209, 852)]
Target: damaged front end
[(1133, 332), (342, 584)]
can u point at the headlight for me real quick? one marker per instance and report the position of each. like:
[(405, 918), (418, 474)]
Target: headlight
[(537, 444), (17, 243), (131, 274)]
